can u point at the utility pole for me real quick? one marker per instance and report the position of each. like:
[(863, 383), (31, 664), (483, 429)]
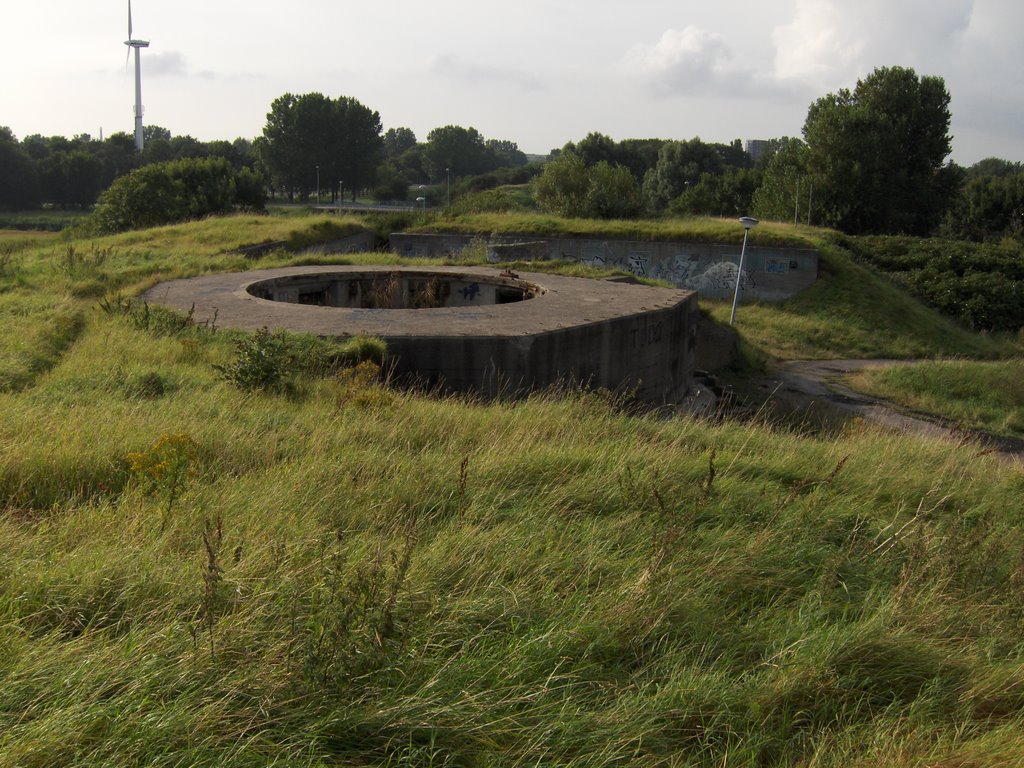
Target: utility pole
[(796, 203)]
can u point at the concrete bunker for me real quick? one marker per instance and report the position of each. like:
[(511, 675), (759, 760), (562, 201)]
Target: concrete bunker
[(471, 329), (397, 289)]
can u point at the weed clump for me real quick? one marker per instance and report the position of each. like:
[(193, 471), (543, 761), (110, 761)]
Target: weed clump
[(156, 320), (164, 468), (360, 386), (261, 362), (271, 361), (346, 621)]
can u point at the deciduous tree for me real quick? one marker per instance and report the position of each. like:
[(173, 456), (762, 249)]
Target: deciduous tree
[(461, 150), (568, 187), (680, 163), (876, 153), (397, 141), (19, 182), (785, 189), (340, 136)]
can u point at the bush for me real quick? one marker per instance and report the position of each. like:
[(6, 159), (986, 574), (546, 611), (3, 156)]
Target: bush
[(262, 362), (568, 187), (512, 198), (166, 193), (981, 285), (269, 361)]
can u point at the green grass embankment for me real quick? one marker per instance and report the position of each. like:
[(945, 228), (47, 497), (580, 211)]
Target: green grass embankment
[(373, 578), (543, 225), (976, 395), (853, 312), (345, 575)]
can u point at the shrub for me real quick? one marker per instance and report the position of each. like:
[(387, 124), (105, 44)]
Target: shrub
[(262, 362), (268, 361), (980, 284), (568, 187), (165, 193)]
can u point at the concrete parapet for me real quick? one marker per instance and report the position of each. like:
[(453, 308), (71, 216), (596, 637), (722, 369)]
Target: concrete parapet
[(470, 328)]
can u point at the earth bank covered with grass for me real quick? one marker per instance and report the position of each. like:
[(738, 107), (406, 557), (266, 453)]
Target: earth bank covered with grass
[(336, 573)]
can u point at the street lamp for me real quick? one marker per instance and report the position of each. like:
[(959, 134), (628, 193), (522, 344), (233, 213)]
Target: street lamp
[(422, 200), (748, 224), (318, 185), (448, 175)]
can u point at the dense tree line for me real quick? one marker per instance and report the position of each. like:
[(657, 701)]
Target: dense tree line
[(311, 139), (873, 159), (71, 173), (602, 178), (451, 154)]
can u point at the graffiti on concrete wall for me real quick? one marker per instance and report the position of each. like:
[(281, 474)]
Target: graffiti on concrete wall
[(711, 278), (719, 278)]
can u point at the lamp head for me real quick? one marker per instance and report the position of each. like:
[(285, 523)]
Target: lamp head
[(748, 222)]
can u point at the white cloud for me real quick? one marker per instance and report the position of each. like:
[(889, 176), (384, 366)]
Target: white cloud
[(694, 61), (686, 61), (169, 64), (681, 54), (831, 43)]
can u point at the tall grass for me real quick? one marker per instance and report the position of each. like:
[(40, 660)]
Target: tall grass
[(347, 575), (852, 312), (977, 395)]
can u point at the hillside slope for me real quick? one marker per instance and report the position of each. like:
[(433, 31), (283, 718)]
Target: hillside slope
[(341, 574)]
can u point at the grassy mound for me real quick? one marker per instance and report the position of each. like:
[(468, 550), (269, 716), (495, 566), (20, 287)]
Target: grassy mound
[(853, 312), (544, 225), (334, 573), (977, 395)]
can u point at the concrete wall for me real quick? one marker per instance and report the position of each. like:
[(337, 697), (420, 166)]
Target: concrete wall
[(769, 273), (651, 354)]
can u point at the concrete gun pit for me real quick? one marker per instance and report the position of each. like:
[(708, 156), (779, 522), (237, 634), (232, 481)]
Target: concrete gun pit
[(469, 329)]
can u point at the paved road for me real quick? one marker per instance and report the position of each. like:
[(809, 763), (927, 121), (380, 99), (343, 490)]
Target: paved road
[(821, 382)]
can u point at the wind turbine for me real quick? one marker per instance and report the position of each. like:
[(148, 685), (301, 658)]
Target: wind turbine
[(132, 43)]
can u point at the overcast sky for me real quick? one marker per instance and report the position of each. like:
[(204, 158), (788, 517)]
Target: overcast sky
[(536, 72)]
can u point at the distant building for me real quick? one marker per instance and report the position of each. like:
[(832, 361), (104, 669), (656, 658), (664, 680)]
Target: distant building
[(756, 148)]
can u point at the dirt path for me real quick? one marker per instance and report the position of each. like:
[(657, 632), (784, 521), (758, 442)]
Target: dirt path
[(809, 383)]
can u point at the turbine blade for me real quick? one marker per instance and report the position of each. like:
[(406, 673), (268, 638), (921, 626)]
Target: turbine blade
[(129, 19)]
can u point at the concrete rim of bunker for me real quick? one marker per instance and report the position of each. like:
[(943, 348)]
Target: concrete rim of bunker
[(599, 333), (397, 288)]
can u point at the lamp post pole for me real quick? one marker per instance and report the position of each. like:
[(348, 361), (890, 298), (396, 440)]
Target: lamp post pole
[(748, 224), (318, 185), (448, 176)]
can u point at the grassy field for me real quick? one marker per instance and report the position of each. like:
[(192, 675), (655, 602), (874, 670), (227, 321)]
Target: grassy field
[(977, 395), (345, 575), (14, 240), (40, 221)]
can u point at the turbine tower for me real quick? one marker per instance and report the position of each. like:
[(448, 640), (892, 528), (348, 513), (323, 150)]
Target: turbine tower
[(132, 43)]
